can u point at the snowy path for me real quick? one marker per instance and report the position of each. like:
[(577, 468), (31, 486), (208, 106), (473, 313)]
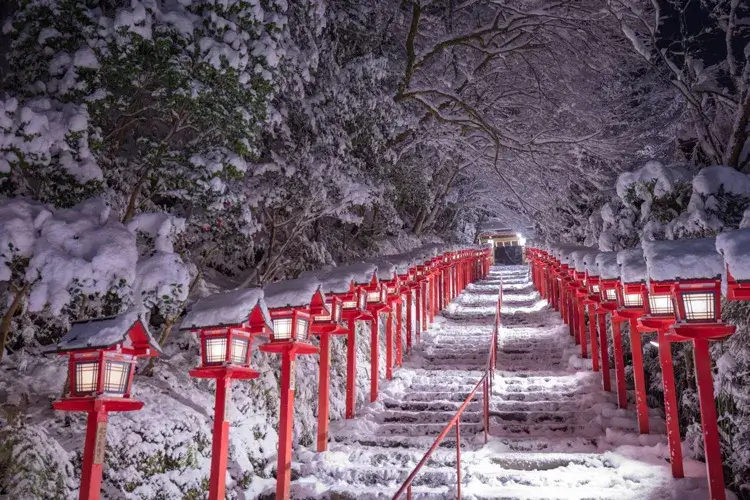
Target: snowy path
[(554, 432)]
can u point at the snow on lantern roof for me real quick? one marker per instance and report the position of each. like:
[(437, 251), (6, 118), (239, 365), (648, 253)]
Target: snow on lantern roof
[(225, 309), (735, 247), (577, 259), (589, 263), (386, 269), (683, 259), (607, 264), (632, 265), (100, 333), (565, 253), (665, 178), (290, 293)]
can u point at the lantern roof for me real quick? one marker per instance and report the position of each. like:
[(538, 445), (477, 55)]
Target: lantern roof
[(632, 265), (563, 251), (589, 263), (127, 329), (683, 259), (294, 293), (735, 247), (577, 258), (225, 309), (609, 269)]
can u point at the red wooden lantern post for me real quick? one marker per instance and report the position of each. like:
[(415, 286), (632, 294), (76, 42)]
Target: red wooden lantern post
[(580, 294), (696, 293), (326, 312), (608, 289), (659, 316), (101, 362), (377, 302), (698, 319), (630, 308), (562, 285), (288, 306), (421, 300), (393, 343), (353, 309), (599, 351), (225, 324), (597, 318), (410, 289)]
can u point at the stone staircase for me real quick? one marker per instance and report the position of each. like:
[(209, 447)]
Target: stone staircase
[(554, 433)]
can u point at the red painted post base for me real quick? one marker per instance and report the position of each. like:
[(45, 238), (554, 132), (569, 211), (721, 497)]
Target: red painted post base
[(594, 339), (288, 351), (96, 437), (399, 334), (622, 396), (324, 387), (639, 377), (351, 369), (670, 405), (582, 329), (374, 355), (389, 347), (93, 458), (604, 347), (711, 445), (409, 322), (217, 484)]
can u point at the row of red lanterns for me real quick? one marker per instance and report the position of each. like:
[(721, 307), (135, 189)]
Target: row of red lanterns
[(102, 353), (678, 310)]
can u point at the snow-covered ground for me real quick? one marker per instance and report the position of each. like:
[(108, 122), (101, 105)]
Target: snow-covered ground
[(554, 432)]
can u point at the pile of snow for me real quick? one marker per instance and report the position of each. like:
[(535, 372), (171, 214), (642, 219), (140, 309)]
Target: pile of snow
[(665, 178), (683, 259), (79, 250), (589, 263), (42, 132), (578, 259), (632, 265), (606, 263), (734, 246)]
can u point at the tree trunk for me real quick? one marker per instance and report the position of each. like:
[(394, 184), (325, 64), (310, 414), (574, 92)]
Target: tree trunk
[(739, 137), (8, 317), (168, 325), (419, 222)]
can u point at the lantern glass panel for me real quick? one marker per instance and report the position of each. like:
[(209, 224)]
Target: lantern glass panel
[(282, 328), (87, 374), (373, 297), (350, 304), (699, 305), (660, 304), (116, 375), (216, 350), (362, 299), (610, 294), (239, 351), (594, 288), (301, 332), (632, 300)]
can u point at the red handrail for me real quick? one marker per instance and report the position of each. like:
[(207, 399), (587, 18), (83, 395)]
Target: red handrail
[(486, 382)]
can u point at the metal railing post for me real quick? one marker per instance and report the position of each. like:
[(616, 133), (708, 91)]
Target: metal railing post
[(458, 459)]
